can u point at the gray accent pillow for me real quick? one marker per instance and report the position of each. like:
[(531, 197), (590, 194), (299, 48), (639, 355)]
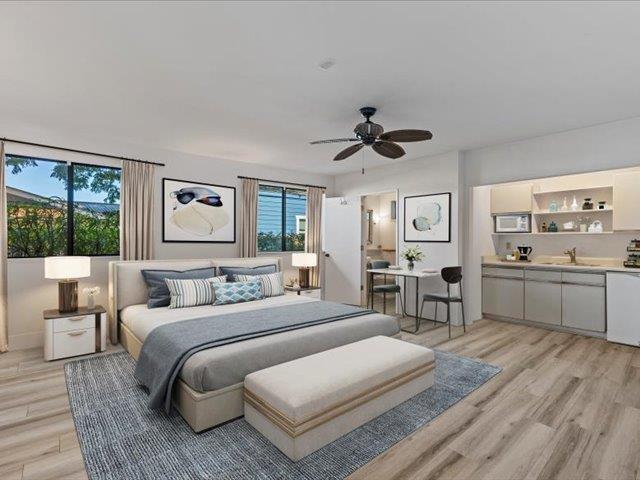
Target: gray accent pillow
[(231, 272), (158, 292)]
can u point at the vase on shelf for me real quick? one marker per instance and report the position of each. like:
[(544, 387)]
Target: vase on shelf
[(90, 301), (574, 205)]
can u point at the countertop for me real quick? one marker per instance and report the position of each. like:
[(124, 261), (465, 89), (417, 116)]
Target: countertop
[(596, 265)]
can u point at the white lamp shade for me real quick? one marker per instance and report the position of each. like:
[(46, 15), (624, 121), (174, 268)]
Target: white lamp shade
[(59, 268), (304, 259)]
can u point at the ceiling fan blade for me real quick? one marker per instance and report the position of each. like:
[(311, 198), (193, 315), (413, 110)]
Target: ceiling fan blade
[(406, 136), (334, 140), (388, 149), (347, 152)]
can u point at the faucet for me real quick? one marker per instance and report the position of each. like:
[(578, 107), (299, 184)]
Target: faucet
[(572, 254)]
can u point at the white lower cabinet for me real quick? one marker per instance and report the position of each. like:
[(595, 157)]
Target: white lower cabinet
[(623, 307), (583, 307), (503, 297), (543, 302), (575, 300)]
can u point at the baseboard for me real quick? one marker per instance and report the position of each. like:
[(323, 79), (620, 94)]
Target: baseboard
[(24, 341)]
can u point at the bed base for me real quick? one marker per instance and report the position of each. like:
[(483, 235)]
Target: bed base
[(201, 410)]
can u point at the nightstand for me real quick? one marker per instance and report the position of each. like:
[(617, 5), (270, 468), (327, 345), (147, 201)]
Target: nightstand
[(315, 292), (74, 333)]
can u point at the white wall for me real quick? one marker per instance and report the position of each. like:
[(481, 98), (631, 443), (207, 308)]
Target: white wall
[(436, 174), (29, 293), (602, 147)]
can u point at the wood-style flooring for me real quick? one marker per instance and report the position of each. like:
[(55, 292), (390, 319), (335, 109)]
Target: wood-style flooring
[(564, 406)]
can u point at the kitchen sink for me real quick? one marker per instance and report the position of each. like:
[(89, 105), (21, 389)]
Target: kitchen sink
[(569, 264)]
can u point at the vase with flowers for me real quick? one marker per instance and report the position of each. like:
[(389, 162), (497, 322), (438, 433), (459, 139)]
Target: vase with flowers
[(91, 293), (412, 255)]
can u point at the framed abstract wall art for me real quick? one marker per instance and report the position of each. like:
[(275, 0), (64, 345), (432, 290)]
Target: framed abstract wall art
[(427, 218), (198, 212)]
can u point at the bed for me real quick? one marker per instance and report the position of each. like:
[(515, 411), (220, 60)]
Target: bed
[(209, 387)]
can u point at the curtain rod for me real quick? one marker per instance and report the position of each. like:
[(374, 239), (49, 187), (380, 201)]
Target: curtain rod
[(22, 142), (284, 183)]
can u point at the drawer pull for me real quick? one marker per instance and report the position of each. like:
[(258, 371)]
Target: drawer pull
[(75, 319), (75, 334)]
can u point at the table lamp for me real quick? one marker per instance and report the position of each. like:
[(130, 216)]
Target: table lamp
[(304, 261), (66, 270)]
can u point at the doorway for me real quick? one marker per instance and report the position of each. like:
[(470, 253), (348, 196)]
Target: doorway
[(379, 242)]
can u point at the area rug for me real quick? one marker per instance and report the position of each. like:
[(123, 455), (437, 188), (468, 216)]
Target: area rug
[(121, 438)]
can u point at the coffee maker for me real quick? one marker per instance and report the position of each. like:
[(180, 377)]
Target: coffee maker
[(524, 251)]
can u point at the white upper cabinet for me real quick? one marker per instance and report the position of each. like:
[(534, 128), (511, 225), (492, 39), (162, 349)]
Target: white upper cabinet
[(626, 201), (511, 199)]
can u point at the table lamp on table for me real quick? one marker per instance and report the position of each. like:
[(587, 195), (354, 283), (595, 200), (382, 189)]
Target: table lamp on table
[(304, 262), (67, 270)]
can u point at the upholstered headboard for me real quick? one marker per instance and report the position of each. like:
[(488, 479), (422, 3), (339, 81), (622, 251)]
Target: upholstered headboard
[(127, 287)]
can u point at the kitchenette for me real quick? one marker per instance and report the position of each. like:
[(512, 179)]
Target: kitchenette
[(564, 254)]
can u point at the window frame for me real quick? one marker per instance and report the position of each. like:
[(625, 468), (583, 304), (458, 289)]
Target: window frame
[(283, 243), (70, 211)]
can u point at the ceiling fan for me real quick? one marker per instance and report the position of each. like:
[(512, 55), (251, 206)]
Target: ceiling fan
[(373, 135)]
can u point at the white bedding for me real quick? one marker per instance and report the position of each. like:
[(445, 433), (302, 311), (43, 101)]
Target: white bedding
[(141, 320)]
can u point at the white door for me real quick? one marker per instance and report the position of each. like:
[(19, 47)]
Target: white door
[(623, 305), (342, 236)]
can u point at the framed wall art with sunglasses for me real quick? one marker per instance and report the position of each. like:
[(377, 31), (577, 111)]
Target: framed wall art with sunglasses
[(198, 212)]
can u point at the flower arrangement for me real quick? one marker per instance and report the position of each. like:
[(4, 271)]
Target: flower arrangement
[(91, 292), (412, 255)]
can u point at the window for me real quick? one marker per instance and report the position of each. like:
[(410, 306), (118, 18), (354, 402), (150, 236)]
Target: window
[(55, 208), (282, 219)]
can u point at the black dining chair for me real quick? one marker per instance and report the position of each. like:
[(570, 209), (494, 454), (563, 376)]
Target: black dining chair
[(453, 276), (385, 287)]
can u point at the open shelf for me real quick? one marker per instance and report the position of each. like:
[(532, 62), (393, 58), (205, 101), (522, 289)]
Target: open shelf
[(577, 212), (571, 190)]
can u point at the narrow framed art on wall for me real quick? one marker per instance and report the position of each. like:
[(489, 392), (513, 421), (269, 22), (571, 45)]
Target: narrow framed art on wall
[(427, 218), (195, 212)]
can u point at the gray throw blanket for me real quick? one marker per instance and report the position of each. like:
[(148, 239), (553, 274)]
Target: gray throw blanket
[(168, 347)]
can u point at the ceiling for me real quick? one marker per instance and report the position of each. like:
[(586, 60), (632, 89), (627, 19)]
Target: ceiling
[(241, 80)]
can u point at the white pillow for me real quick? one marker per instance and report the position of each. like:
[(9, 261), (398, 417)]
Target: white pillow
[(193, 291), (272, 284)]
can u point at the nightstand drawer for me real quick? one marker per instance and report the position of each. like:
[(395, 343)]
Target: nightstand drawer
[(74, 342), (77, 322)]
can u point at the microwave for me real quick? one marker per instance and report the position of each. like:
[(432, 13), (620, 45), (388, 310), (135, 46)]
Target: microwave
[(520, 223)]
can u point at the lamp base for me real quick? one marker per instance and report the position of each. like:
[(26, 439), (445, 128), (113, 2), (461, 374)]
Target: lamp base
[(303, 274), (67, 296)]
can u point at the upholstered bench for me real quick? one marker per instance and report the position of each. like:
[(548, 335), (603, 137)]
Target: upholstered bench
[(303, 405)]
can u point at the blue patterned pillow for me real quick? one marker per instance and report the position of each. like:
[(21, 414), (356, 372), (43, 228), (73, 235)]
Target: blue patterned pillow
[(237, 292)]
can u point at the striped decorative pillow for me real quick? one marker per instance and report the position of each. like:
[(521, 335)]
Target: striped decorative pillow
[(237, 292), (272, 284), (192, 292)]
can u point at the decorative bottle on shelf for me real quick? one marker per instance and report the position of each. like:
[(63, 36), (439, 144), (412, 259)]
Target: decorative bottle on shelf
[(553, 206), (588, 204), (564, 207), (553, 227), (544, 227), (574, 205)]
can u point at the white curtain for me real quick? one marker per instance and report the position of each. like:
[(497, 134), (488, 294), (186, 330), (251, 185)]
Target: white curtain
[(314, 225), (249, 225), (4, 322), (136, 210)]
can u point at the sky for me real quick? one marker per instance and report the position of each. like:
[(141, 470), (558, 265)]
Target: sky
[(38, 180)]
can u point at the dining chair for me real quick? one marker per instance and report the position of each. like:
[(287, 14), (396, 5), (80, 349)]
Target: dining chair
[(385, 287), (452, 276)]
